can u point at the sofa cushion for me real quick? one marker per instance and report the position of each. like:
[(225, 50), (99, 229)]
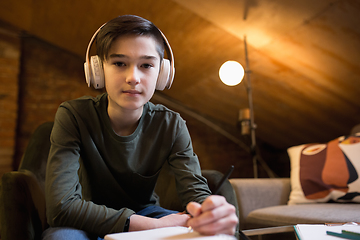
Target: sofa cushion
[(326, 172), (303, 213), (22, 208)]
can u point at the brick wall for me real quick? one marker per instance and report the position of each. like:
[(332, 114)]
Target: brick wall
[(9, 71), (49, 76)]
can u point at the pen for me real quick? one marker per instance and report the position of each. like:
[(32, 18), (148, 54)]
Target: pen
[(351, 233), (344, 234), (226, 176)]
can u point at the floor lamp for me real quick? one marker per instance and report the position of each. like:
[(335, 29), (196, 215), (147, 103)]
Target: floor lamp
[(231, 73)]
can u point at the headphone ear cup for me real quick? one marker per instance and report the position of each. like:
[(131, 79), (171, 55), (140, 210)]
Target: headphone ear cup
[(164, 75), (96, 72), (87, 74)]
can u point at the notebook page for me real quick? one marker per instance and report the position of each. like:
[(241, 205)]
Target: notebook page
[(318, 231), (168, 233)]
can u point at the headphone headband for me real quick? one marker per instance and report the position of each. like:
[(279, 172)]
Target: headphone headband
[(94, 73), (87, 66)]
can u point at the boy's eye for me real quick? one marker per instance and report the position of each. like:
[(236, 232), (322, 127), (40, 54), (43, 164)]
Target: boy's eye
[(119, 64), (147, 65)]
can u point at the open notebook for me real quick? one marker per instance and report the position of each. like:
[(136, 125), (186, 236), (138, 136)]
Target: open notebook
[(170, 233), (326, 232)]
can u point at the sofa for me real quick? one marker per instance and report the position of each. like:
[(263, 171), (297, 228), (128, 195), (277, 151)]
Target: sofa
[(267, 202), (22, 199), (263, 203)]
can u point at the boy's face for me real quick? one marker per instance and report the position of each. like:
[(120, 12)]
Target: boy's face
[(131, 71)]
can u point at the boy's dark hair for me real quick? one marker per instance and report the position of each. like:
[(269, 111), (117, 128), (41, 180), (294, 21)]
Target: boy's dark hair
[(127, 25)]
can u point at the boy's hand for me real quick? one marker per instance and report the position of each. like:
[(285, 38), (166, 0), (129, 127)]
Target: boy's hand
[(138, 222), (178, 219), (214, 216)]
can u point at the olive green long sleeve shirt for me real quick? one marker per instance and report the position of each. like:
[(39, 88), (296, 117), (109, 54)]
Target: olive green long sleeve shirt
[(96, 179)]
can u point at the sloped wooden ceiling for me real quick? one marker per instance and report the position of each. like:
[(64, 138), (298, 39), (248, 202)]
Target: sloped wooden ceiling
[(304, 56)]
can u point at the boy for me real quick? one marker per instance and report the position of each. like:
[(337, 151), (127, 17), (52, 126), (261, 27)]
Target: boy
[(107, 151)]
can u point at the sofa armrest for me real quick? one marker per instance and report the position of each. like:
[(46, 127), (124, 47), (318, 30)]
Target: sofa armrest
[(258, 193), (22, 208)]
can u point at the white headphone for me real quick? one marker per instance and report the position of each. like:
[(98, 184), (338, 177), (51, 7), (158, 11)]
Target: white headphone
[(94, 73)]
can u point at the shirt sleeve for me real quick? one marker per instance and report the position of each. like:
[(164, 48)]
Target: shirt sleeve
[(64, 203), (190, 184)]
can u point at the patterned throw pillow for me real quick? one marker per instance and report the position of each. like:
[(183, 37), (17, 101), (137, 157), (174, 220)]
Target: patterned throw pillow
[(326, 172)]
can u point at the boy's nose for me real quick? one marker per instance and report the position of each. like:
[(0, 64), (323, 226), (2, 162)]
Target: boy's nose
[(133, 76)]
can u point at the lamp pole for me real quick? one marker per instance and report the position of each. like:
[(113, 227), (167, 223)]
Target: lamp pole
[(231, 73), (251, 107)]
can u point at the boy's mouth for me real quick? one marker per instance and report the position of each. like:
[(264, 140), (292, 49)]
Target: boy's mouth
[(131, 92)]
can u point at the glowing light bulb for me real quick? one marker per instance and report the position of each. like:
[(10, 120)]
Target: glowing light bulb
[(231, 73)]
